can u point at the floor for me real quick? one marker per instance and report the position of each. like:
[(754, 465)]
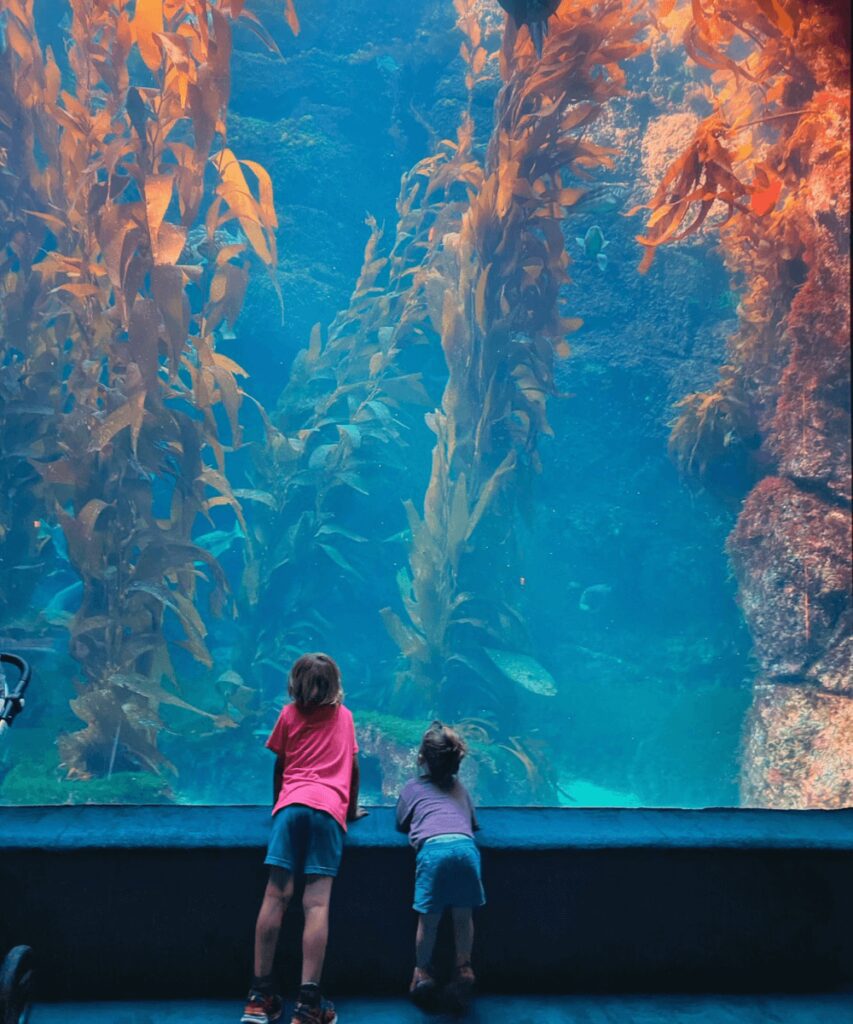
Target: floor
[(811, 1009)]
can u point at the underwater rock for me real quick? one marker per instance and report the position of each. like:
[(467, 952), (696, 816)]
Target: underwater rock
[(798, 748), (790, 552), (398, 760)]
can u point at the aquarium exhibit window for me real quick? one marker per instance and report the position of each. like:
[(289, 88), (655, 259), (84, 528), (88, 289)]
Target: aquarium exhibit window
[(504, 357)]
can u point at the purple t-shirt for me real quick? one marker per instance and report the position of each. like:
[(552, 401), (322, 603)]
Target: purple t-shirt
[(424, 810)]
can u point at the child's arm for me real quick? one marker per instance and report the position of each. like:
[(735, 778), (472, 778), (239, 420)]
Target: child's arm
[(354, 812), (404, 813), (277, 775)]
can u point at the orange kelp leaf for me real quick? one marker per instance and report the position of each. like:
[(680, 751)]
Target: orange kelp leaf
[(764, 199), (148, 21), (52, 222), (158, 195), (167, 289), (128, 415), (665, 8), (228, 252), (230, 365), (264, 192), (255, 26), (88, 515), (170, 243), (291, 17), (79, 291), (235, 191), (777, 14), (480, 299)]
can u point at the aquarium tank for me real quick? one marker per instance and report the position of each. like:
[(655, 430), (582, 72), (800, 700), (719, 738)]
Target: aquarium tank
[(498, 348)]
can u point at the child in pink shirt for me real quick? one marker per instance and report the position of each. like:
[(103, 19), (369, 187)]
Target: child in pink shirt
[(315, 794)]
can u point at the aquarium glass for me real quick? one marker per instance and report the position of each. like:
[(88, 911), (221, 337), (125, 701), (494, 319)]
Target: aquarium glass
[(498, 350)]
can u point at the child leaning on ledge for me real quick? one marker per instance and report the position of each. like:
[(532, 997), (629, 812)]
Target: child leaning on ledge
[(436, 811), (315, 794)]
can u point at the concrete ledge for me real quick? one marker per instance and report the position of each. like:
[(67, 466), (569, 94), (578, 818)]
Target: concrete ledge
[(159, 902), (521, 828)]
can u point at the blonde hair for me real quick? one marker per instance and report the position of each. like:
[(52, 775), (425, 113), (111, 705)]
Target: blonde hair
[(441, 753), (315, 681)]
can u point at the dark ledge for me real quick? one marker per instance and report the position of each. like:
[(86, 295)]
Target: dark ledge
[(160, 901), (523, 828)]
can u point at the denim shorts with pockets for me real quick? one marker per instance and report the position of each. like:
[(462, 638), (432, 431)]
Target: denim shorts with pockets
[(447, 874), (305, 841)]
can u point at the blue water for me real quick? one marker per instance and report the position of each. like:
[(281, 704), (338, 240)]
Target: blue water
[(611, 567)]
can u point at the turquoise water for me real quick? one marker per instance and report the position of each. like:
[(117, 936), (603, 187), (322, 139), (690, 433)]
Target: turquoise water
[(600, 659)]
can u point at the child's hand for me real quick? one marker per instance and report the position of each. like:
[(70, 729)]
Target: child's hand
[(359, 812)]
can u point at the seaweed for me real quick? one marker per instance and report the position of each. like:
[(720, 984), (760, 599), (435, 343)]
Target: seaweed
[(115, 320), (781, 94), (774, 124), (493, 289), (338, 439)]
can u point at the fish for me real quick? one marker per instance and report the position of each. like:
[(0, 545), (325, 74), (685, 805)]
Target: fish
[(57, 611), (524, 670), (534, 14), (32, 643), (595, 597), (217, 542), (593, 244)]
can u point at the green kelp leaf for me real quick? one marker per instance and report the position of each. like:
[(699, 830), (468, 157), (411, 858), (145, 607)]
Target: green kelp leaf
[(250, 494), (319, 458), (524, 670), (331, 528), (339, 559), (410, 643), (404, 582), (352, 431)]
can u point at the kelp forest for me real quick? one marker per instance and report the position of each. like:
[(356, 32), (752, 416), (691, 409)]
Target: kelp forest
[(523, 391)]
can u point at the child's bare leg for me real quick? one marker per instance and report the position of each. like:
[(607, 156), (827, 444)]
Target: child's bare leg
[(425, 941), (463, 933), (276, 898), (315, 903)]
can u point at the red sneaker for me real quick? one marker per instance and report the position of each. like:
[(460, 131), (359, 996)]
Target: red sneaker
[(322, 1012), (261, 1009)]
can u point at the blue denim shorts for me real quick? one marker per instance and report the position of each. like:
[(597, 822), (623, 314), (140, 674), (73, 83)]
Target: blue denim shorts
[(447, 874), (305, 841)]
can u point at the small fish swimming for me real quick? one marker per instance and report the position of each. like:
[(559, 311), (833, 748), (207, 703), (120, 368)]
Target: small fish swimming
[(33, 643), (534, 14), (58, 609), (217, 542), (593, 244), (524, 670), (594, 598)]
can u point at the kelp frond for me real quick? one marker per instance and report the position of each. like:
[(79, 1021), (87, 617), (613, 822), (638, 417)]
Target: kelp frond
[(115, 319)]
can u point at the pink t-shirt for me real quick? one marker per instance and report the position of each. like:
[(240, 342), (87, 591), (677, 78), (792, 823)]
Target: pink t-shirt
[(317, 747)]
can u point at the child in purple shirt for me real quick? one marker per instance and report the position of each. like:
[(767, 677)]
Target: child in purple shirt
[(436, 811)]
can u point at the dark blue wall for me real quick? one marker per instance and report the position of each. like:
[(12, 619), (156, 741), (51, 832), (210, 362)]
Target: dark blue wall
[(161, 901)]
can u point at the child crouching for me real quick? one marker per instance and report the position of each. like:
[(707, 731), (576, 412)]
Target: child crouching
[(436, 811)]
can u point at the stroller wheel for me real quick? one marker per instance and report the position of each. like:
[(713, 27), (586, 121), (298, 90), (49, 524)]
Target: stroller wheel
[(16, 978)]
